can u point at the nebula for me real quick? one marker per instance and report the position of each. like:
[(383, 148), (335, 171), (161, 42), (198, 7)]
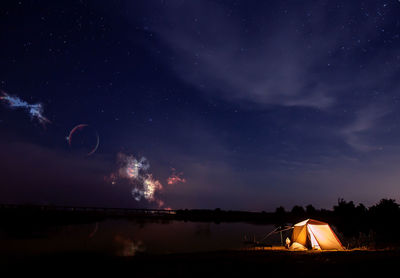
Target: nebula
[(135, 171), (175, 177)]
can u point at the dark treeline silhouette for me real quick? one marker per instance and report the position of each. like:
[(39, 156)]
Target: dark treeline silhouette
[(356, 225), (376, 226)]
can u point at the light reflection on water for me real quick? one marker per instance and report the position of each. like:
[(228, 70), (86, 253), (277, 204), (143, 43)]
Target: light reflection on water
[(126, 238)]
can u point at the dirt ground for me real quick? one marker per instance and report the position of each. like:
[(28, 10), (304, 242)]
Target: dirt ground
[(267, 263)]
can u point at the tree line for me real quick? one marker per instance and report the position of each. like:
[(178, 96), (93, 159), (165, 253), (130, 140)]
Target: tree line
[(357, 225)]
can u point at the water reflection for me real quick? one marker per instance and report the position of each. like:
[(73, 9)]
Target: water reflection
[(127, 237), (128, 247)]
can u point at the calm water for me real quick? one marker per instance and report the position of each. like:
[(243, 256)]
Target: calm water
[(124, 237)]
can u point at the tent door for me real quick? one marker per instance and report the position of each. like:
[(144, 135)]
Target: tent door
[(313, 240)]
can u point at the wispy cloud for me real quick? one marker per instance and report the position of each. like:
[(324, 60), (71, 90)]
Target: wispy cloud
[(358, 133), (298, 60), (304, 57)]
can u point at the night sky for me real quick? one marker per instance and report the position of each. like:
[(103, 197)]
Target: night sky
[(254, 104)]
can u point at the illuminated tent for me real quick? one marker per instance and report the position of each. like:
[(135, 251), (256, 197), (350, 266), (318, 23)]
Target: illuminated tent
[(315, 234)]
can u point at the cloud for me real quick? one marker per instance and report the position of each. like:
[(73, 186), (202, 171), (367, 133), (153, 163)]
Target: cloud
[(278, 55), (216, 55), (297, 58), (358, 133)]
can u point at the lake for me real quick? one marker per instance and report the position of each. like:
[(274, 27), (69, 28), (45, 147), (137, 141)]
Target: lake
[(128, 237)]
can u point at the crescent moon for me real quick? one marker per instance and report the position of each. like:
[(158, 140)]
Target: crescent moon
[(95, 147), (80, 126)]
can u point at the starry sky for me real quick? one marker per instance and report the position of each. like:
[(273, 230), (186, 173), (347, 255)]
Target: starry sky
[(257, 103)]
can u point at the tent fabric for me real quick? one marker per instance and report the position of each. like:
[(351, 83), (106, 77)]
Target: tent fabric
[(315, 234)]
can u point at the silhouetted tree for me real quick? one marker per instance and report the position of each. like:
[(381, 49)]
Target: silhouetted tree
[(361, 209), (344, 207), (387, 206), (385, 223), (280, 214), (298, 210), (298, 213), (280, 211), (310, 210), (346, 218)]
